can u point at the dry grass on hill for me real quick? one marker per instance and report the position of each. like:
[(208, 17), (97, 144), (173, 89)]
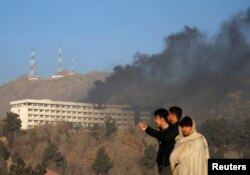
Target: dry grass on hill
[(73, 88)]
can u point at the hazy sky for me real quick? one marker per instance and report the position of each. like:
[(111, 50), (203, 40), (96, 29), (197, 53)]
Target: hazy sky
[(97, 34)]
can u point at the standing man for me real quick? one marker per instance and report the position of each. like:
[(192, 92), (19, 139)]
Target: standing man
[(168, 130), (190, 154)]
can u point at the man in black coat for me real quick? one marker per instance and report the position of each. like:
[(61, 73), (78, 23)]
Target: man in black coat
[(168, 130)]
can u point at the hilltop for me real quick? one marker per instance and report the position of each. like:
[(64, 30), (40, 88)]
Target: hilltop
[(71, 87)]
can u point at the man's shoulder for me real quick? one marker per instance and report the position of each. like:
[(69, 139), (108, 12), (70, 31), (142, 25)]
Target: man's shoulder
[(172, 130), (174, 127), (201, 139)]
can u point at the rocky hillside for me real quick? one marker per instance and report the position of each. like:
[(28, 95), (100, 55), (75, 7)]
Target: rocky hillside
[(71, 87)]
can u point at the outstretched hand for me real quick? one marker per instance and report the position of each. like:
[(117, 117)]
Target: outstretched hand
[(142, 126)]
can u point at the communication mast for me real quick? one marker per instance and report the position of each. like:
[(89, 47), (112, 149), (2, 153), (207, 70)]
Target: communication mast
[(32, 75), (59, 65)]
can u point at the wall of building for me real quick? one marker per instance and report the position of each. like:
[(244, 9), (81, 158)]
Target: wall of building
[(38, 112)]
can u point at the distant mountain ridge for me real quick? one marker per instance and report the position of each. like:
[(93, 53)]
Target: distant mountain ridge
[(71, 87)]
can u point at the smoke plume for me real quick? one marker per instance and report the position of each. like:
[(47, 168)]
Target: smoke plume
[(193, 71)]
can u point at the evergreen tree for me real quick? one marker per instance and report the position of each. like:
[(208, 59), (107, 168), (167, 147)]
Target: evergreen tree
[(40, 170), (246, 154), (4, 153), (110, 127), (11, 127), (95, 131), (12, 124), (51, 154), (245, 136), (216, 132), (102, 163), (18, 167), (3, 167)]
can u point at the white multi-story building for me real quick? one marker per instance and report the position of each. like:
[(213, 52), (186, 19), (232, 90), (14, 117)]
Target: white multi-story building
[(38, 112)]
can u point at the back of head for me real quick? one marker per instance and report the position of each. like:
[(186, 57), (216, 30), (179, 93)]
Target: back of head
[(163, 113), (177, 111)]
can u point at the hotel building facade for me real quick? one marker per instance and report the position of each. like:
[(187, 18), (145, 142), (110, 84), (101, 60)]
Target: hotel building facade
[(39, 112)]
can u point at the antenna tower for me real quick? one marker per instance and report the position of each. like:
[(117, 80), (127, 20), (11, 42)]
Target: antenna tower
[(32, 64), (60, 65)]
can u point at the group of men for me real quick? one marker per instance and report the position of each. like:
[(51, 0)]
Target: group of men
[(182, 150)]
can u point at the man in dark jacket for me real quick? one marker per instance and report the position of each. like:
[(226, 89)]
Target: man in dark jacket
[(168, 130)]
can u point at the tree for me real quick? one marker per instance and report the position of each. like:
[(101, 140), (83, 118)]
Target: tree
[(12, 126), (216, 131), (4, 152), (148, 159), (110, 127), (3, 167), (40, 170), (48, 154), (245, 136), (18, 167), (95, 131), (246, 154), (102, 163), (51, 154)]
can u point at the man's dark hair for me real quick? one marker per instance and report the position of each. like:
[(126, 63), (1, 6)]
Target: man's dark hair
[(186, 121), (177, 111), (162, 113)]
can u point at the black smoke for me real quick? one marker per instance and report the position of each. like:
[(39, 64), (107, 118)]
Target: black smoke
[(193, 71)]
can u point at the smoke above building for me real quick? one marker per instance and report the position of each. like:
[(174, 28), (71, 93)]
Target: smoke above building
[(193, 70)]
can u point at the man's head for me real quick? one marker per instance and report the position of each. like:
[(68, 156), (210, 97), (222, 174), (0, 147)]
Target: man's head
[(186, 125), (175, 114), (161, 117)]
